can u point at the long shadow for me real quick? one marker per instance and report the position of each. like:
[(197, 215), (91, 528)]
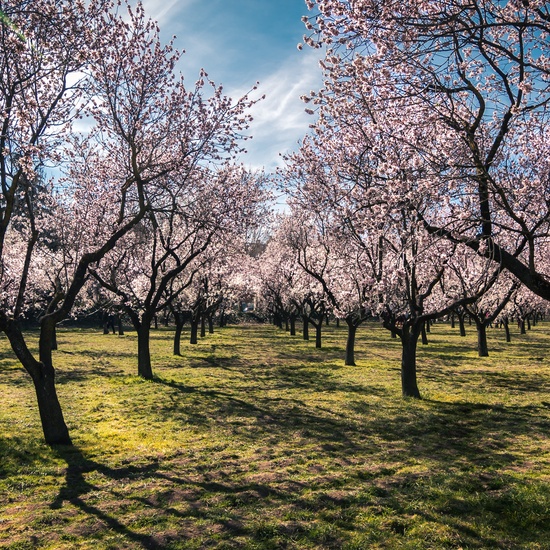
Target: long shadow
[(76, 487)]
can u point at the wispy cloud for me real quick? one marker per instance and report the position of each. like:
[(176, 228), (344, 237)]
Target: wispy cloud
[(280, 120), (166, 10), (232, 48)]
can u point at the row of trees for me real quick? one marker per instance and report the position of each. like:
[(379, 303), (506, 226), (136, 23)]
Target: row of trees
[(424, 186), (423, 190), (144, 184)]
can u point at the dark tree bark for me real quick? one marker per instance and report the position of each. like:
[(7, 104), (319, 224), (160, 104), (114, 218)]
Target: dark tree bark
[(203, 326), (482, 347), (318, 328), (409, 340), (305, 327), (461, 325), (506, 325), (424, 335), (144, 352), (292, 319), (178, 319), (522, 326), (193, 339), (43, 376), (350, 343), (119, 323)]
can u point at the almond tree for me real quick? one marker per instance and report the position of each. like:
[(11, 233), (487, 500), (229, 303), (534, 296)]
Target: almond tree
[(373, 206), (476, 75), (62, 61), (193, 213)]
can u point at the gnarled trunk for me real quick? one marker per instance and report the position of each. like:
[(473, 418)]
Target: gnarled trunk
[(43, 376)]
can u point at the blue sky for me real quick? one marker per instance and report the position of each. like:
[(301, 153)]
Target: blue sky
[(239, 42)]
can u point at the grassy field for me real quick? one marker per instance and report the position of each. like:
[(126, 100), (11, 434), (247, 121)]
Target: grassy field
[(255, 439)]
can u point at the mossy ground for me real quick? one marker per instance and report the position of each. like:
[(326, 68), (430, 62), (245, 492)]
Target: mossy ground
[(257, 440)]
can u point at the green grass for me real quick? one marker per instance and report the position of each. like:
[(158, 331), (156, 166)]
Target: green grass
[(256, 440)]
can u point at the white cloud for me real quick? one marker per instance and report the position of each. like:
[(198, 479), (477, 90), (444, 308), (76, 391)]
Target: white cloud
[(280, 120), (164, 11)]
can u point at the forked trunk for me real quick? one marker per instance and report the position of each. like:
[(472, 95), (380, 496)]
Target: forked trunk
[(43, 376)]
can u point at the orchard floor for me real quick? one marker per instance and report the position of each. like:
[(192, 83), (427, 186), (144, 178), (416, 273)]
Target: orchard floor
[(255, 439)]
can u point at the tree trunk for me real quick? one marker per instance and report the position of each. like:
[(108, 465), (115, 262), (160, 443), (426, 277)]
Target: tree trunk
[(177, 334), (424, 335), (210, 324), (120, 327), (194, 331), (528, 323), (507, 330), (53, 424), (54, 338), (350, 344), (43, 376), (462, 328), (452, 321), (482, 348), (409, 341), (293, 325), (318, 329), (203, 326), (305, 327), (144, 352)]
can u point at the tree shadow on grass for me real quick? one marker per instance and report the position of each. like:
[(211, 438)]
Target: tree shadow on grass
[(76, 487)]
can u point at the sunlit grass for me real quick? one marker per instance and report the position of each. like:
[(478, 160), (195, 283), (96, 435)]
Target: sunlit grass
[(255, 439)]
